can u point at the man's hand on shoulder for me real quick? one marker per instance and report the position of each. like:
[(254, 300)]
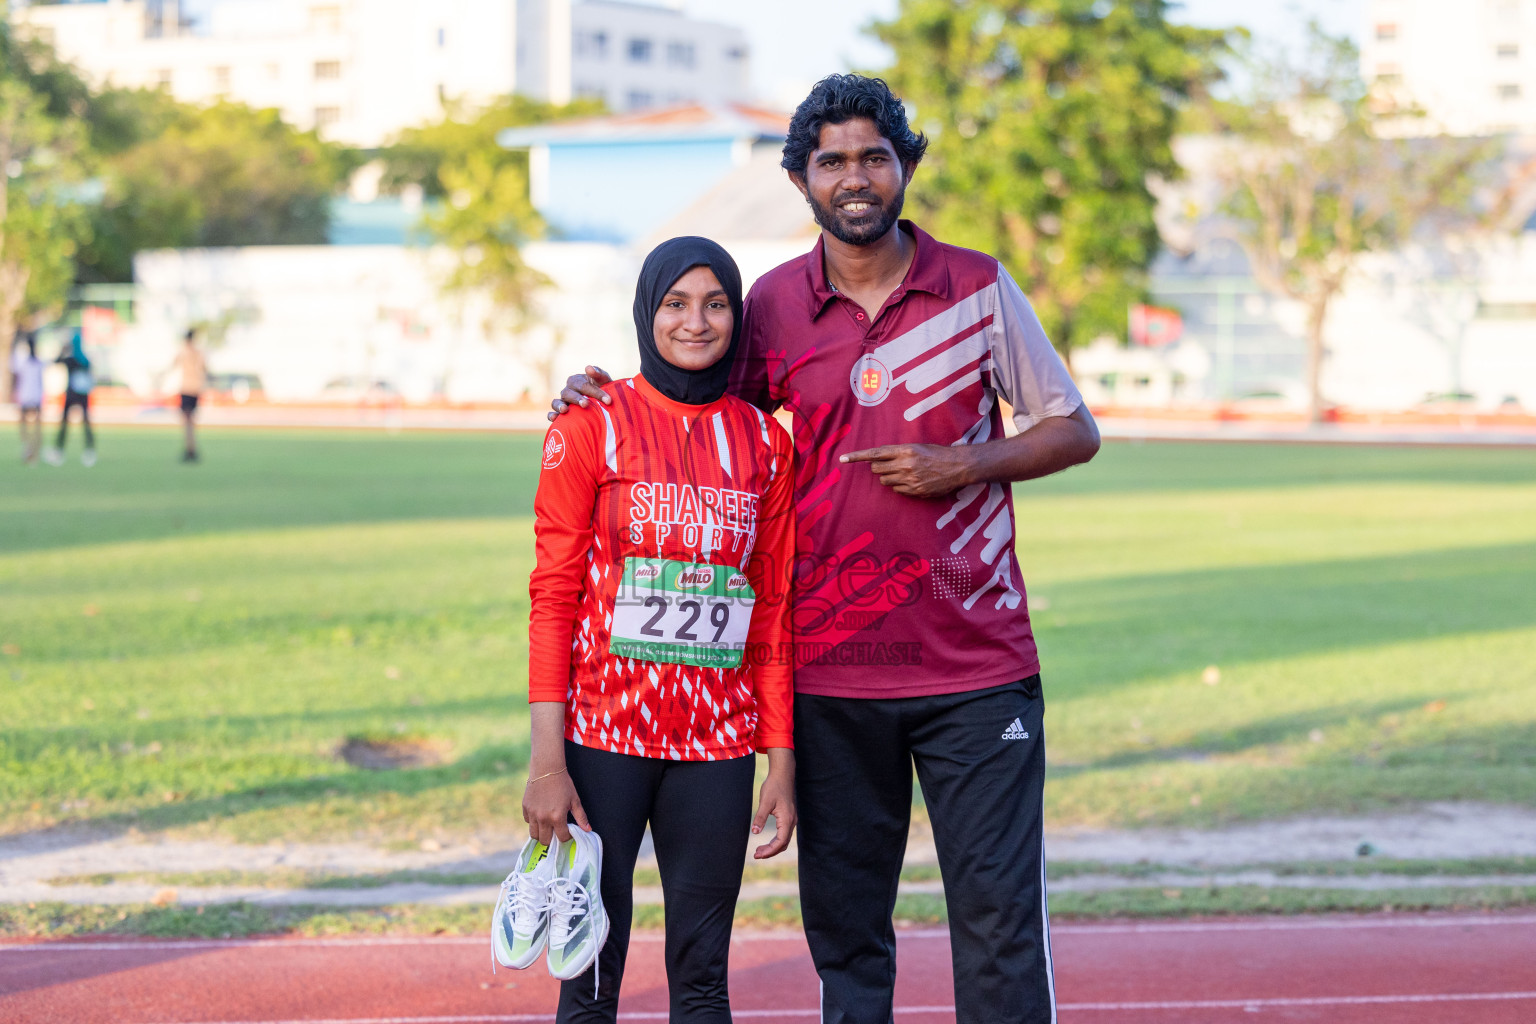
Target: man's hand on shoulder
[(917, 470), (580, 389)]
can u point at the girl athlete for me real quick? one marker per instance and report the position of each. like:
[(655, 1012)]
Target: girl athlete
[(658, 653)]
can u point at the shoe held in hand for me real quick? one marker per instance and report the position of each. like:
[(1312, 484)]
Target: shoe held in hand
[(520, 929), (578, 923)]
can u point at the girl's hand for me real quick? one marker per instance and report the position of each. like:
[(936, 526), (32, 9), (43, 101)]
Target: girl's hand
[(548, 804), (777, 798)]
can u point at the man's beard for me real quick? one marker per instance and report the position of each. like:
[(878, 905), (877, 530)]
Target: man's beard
[(864, 233)]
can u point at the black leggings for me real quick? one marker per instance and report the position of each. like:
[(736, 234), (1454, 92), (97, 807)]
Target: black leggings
[(700, 814), (74, 400)]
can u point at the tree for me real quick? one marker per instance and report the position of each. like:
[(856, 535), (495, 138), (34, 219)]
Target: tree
[(176, 176), (40, 218), (419, 155), (1322, 171), (485, 215), (1441, 282), (1047, 118), (120, 119)]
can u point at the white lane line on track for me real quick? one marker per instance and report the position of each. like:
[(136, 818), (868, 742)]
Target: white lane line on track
[(1229, 1004), (1125, 928), (1186, 1004), (543, 1018), (1283, 925), (191, 944), (341, 942)]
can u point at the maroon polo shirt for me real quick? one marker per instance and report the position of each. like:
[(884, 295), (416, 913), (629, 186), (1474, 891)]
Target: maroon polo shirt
[(897, 596)]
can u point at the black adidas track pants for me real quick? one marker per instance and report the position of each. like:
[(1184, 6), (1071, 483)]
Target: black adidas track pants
[(980, 758)]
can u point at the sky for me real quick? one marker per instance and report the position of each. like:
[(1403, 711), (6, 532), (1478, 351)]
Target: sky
[(795, 42)]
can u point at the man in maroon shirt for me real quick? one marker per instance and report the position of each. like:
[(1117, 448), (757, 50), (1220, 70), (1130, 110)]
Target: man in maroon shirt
[(893, 351)]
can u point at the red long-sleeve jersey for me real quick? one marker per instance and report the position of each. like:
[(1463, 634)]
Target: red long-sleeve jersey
[(638, 502)]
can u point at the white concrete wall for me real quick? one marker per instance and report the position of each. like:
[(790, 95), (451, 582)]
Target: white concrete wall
[(1388, 352), (308, 315)]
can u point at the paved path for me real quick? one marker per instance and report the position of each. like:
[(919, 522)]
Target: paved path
[(435, 894), (1222, 857), (1404, 969)]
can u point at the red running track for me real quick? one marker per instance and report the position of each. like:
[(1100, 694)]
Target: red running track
[(1344, 970)]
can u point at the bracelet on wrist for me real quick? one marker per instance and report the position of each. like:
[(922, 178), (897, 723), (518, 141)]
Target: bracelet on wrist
[(548, 775)]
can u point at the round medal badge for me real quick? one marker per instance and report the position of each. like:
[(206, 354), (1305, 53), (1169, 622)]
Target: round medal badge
[(554, 449), (871, 380)]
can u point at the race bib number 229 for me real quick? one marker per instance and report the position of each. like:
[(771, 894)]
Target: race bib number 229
[(681, 613)]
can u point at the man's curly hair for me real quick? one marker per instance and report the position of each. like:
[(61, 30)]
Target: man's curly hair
[(838, 99)]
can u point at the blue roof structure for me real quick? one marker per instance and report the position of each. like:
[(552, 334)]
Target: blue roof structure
[(618, 179)]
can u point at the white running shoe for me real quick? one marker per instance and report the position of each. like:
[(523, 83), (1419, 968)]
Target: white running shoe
[(88, 458), (578, 924), (520, 929), (53, 456)]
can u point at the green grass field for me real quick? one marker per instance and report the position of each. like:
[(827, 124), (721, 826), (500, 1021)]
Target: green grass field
[(187, 647)]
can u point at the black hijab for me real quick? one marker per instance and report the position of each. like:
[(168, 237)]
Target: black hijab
[(667, 262)]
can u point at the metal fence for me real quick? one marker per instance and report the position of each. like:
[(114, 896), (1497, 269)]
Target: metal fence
[(1235, 321)]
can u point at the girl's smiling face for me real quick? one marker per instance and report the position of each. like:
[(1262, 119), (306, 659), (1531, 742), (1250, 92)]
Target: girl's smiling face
[(693, 326)]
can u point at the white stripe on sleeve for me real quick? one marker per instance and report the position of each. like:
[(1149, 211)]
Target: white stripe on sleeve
[(1026, 370)]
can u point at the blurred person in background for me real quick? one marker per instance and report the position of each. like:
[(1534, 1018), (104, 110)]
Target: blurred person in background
[(191, 368), (27, 393), (77, 394), (658, 663)]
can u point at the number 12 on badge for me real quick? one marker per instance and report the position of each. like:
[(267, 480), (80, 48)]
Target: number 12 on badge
[(681, 613)]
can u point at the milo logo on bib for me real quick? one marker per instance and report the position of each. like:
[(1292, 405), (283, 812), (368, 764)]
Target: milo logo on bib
[(681, 613), (695, 576)]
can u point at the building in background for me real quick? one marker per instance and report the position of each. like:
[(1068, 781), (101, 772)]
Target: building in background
[(636, 56), (671, 159), (1470, 66), (361, 70)]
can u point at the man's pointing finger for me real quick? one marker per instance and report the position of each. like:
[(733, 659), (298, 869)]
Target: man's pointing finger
[(869, 454)]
